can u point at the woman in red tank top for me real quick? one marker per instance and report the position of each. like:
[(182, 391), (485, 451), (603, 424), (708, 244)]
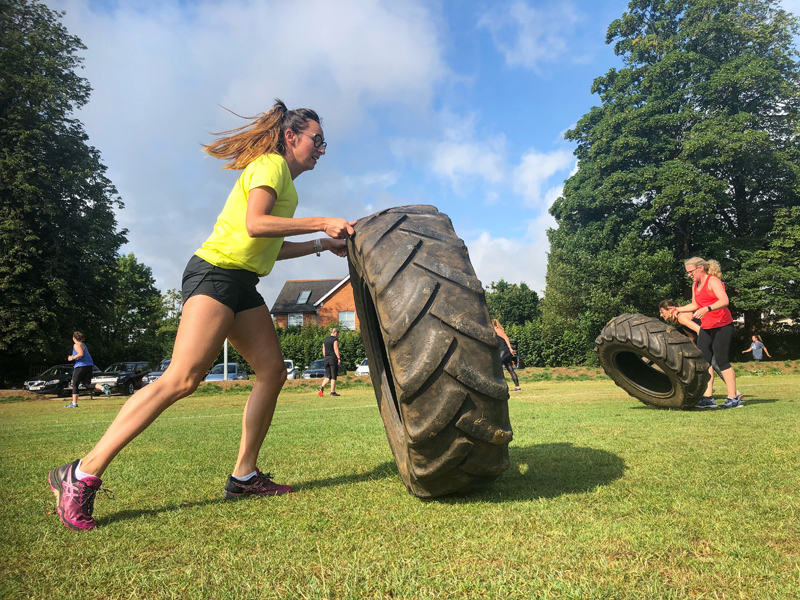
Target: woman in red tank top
[(710, 305)]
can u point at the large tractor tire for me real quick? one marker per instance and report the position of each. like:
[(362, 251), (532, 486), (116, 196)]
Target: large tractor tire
[(651, 361), (433, 355)]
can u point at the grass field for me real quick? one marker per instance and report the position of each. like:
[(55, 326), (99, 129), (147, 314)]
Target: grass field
[(605, 498)]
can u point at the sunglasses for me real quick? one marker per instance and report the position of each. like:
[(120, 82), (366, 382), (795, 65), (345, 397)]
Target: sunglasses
[(690, 273)]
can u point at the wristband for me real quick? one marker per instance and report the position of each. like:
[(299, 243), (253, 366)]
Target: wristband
[(318, 246)]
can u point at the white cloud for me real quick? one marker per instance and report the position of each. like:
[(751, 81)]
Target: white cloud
[(159, 68), (534, 172), (515, 260), (527, 36), (458, 161)]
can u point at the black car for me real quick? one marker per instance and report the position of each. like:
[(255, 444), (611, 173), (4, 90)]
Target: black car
[(125, 377), (55, 380), (317, 369), (158, 372)]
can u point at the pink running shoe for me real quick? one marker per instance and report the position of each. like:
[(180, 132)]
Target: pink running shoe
[(75, 497), (260, 484)]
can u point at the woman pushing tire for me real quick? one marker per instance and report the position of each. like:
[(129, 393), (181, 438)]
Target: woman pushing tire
[(433, 354)]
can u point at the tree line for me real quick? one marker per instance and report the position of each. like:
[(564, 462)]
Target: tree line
[(693, 150)]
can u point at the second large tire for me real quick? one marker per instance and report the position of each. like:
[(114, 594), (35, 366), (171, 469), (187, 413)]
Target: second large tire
[(433, 356), (652, 361)]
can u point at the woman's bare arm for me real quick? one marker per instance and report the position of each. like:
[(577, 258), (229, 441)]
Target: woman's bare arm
[(259, 221)]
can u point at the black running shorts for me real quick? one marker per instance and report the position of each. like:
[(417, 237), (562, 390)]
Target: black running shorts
[(82, 375), (235, 288), (331, 367)]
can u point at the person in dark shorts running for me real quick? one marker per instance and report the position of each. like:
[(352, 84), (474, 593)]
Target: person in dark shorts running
[(82, 370), (220, 301), (332, 360), (507, 353)]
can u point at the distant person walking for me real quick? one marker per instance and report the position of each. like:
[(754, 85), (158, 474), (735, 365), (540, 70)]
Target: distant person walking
[(758, 349), (710, 305), (82, 369), (507, 353), (332, 359), (220, 300)]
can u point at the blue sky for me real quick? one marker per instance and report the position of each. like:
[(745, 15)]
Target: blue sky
[(458, 104)]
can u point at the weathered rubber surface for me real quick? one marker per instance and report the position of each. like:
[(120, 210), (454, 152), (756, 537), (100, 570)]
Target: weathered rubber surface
[(433, 356), (651, 361)]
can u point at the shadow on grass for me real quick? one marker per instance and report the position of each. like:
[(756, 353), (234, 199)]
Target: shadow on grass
[(747, 402), (382, 471), (760, 401), (548, 471)]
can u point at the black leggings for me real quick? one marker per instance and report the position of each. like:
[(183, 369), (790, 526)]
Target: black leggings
[(716, 344), (509, 365)]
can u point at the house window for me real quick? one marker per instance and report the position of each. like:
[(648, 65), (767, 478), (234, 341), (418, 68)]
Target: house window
[(348, 319), (303, 297), (295, 320)]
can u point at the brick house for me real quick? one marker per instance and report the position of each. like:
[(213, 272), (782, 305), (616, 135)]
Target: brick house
[(316, 301)]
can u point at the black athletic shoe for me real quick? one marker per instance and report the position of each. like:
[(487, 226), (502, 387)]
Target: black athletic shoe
[(260, 484)]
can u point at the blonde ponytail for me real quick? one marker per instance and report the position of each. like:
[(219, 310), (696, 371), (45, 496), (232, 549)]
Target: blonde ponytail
[(714, 269)]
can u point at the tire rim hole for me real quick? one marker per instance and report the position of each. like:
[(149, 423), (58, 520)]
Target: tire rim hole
[(643, 373)]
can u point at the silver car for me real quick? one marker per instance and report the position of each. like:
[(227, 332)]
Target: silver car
[(153, 375), (292, 372), (217, 373)]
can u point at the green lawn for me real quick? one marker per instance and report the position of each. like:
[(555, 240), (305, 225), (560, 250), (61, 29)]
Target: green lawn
[(605, 498)]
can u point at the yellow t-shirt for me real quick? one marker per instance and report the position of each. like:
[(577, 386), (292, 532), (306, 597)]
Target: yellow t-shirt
[(229, 246)]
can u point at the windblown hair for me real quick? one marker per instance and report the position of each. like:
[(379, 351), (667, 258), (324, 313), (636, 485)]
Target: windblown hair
[(264, 134), (78, 336)]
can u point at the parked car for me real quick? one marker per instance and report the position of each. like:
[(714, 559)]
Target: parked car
[(292, 372), (317, 369), (158, 372), (363, 368), (217, 373), (55, 380), (124, 377)]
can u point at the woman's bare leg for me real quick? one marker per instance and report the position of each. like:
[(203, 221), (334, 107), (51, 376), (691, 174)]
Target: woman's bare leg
[(710, 387), (253, 335), (202, 330), (729, 377)]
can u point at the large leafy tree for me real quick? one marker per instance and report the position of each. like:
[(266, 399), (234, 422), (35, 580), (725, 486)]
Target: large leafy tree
[(692, 151), (771, 277), (168, 329), (58, 232), (512, 303), (136, 314)]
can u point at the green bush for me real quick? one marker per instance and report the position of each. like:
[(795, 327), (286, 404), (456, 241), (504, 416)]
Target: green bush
[(547, 347), (304, 345)]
